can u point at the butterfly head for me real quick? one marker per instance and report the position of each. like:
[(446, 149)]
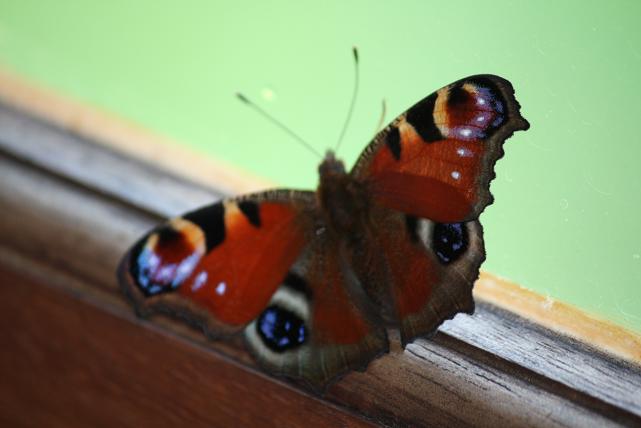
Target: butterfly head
[(331, 166)]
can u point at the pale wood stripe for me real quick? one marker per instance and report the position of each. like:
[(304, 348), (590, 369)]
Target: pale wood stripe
[(559, 316)]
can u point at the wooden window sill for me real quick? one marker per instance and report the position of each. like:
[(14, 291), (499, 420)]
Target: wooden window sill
[(77, 189)]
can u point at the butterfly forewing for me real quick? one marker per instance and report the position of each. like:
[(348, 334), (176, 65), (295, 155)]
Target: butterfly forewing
[(437, 159), (219, 266), (314, 328)]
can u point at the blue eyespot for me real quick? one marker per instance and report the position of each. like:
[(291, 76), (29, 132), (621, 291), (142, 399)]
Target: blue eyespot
[(281, 329), (449, 241)]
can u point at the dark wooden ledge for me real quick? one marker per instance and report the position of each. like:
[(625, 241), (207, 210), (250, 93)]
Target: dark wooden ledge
[(73, 353)]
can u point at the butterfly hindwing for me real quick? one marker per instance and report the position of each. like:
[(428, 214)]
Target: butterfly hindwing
[(315, 327), (419, 272), (437, 159), (454, 253), (219, 266)]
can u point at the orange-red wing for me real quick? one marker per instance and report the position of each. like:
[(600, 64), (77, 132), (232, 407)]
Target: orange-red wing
[(437, 159), (319, 324), (220, 265)]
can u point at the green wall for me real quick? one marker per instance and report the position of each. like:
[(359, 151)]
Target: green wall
[(566, 221)]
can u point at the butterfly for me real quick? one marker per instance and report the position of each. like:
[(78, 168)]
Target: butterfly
[(313, 280)]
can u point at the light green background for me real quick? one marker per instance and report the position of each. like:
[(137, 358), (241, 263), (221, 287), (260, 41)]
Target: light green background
[(566, 221)]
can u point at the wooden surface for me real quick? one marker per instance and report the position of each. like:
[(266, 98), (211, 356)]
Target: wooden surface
[(74, 354), (104, 370)]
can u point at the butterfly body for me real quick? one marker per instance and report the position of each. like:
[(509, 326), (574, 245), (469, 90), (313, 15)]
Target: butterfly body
[(342, 200), (313, 280)]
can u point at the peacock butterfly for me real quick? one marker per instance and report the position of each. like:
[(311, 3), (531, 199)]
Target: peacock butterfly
[(313, 279)]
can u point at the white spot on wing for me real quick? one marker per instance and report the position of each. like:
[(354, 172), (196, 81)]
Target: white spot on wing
[(186, 267), (464, 153), (200, 280), (455, 175), (221, 288)]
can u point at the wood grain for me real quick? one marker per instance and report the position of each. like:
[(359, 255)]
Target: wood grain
[(68, 228)]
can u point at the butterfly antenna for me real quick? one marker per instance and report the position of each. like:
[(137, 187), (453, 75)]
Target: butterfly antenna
[(352, 103), (278, 123), (381, 119)]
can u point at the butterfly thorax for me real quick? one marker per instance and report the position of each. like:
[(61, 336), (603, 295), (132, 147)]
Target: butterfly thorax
[(341, 198)]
